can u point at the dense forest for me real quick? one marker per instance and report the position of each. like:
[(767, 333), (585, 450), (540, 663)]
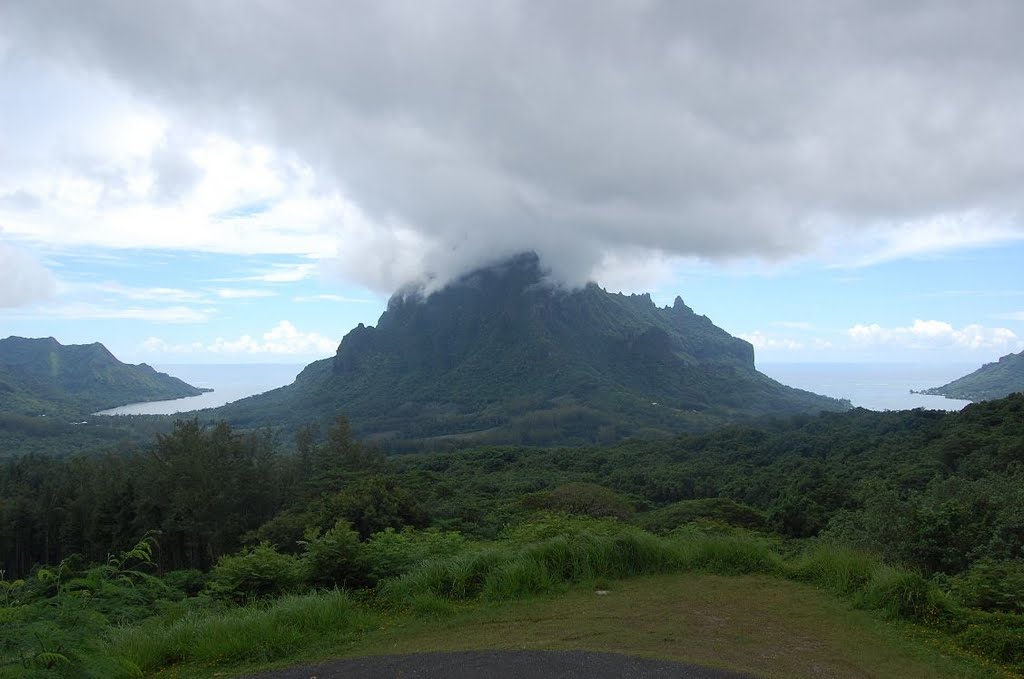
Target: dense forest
[(206, 518), (940, 491)]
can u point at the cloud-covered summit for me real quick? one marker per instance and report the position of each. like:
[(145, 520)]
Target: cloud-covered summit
[(589, 132)]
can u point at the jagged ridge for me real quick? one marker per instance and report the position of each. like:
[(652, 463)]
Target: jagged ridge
[(501, 355)]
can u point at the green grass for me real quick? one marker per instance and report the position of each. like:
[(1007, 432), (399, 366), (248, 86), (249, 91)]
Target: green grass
[(503, 573), (827, 607), (752, 623), (251, 634)]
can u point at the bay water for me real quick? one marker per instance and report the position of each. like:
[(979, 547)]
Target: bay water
[(875, 386)]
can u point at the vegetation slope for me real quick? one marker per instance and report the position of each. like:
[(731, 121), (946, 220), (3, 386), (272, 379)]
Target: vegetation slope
[(42, 377), (252, 554), (990, 381), (503, 356)]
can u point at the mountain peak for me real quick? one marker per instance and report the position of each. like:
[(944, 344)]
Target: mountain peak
[(502, 355)]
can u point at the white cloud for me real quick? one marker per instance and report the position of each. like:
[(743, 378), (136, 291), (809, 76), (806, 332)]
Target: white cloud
[(717, 131), (151, 294), (84, 310), (764, 342), (241, 293), (332, 298), (284, 273), (125, 179), (282, 339), (23, 280), (933, 236), (933, 334), (1012, 316)]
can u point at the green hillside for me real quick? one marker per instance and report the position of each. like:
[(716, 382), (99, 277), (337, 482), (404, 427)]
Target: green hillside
[(44, 377), (990, 381), (502, 356)]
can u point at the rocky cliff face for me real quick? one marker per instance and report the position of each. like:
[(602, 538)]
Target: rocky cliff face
[(501, 354)]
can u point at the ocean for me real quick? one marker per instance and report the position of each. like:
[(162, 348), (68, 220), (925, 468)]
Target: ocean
[(229, 382), (875, 386)]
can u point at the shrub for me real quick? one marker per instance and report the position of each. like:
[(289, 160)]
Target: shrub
[(706, 510), (992, 586), (285, 530), (392, 553), (334, 558), (458, 577), (255, 573), (838, 569), (900, 593), (730, 555), (188, 582), (523, 569), (584, 499), (545, 526), (995, 635)]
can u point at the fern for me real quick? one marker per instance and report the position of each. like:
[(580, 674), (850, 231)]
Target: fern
[(49, 659)]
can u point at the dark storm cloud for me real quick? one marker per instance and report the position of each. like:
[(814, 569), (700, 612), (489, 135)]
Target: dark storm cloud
[(470, 130)]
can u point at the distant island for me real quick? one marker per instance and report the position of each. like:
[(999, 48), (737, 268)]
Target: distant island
[(989, 382), (42, 377)]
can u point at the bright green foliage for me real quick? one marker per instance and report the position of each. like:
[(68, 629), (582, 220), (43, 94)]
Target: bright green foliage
[(730, 555), (837, 568), (923, 514), (454, 578), (256, 573), (52, 625), (392, 553), (903, 594), (333, 559), (519, 568), (261, 632), (992, 585)]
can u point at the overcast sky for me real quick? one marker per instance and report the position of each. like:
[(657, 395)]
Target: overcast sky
[(225, 181)]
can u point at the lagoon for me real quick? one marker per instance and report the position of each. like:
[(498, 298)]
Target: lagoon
[(875, 386)]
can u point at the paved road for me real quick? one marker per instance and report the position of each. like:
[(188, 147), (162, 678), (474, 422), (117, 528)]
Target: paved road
[(501, 665)]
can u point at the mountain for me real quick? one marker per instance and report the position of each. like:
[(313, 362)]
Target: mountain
[(45, 377), (502, 356), (990, 381)]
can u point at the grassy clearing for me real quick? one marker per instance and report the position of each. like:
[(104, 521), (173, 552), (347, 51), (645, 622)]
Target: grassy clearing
[(771, 615), (753, 623)]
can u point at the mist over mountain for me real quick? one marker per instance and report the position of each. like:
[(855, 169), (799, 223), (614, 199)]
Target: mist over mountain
[(990, 381), (503, 355), (44, 377)]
